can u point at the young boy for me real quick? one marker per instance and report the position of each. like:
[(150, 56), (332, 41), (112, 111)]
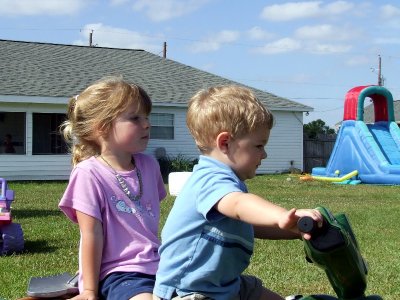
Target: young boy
[(208, 237)]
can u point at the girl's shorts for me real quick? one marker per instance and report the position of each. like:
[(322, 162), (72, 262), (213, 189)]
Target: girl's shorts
[(125, 285)]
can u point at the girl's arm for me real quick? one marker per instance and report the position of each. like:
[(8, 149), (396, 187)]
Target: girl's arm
[(92, 245)]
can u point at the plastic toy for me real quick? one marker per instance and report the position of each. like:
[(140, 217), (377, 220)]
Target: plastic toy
[(337, 179), (53, 287), (371, 149), (334, 248), (11, 235), (176, 181)]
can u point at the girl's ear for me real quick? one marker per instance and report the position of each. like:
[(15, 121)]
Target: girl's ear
[(102, 130), (222, 141)]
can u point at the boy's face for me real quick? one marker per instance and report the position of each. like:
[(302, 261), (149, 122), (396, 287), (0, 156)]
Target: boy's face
[(247, 152)]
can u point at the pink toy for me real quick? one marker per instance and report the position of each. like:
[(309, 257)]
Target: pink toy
[(11, 235)]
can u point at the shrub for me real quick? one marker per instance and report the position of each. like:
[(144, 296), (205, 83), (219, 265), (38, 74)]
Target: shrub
[(179, 163)]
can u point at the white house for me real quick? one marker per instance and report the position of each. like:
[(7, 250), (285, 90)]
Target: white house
[(37, 80)]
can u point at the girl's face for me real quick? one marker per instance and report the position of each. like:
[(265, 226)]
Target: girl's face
[(130, 131), (247, 152)]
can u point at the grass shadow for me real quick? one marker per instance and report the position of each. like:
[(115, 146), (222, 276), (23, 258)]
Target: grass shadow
[(38, 246), (36, 213)]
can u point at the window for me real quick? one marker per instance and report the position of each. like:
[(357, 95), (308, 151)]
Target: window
[(12, 132), (162, 126), (46, 137)]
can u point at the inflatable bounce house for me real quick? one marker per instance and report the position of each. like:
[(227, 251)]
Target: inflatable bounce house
[(365, 153)]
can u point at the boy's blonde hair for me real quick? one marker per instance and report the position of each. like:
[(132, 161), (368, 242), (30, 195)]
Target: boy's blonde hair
[(231, 108), (92, 112)]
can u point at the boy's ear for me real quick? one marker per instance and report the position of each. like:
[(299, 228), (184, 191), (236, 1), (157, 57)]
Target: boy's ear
[(223, 140)]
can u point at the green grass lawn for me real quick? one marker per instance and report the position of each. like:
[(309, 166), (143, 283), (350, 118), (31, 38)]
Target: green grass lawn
[(51, 240)]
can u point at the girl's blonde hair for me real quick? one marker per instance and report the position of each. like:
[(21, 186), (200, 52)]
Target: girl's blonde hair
[(231, 108), (92, 112)]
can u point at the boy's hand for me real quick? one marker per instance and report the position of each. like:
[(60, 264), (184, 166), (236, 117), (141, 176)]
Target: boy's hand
[(289, 219)]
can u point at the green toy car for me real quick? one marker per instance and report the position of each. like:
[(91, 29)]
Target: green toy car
[(334, 248)]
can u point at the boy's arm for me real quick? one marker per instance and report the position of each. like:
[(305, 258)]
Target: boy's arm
[(251, 209), (273, 233), (259, 212), (92, 247)]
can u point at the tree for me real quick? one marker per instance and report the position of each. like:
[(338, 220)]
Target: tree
[(316, 127)]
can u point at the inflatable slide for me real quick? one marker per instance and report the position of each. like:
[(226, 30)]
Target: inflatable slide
[(373, 150)]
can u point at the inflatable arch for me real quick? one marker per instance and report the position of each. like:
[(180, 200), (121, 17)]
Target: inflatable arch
[(373, 150)]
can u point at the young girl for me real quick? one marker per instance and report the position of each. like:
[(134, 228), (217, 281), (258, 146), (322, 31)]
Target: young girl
[(114, 191)]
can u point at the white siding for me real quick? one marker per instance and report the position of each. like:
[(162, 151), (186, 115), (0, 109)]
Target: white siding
[(28, 166), (36, 167), (183, 144), (285, 145)]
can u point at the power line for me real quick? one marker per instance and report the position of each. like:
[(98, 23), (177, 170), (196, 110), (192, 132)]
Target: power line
[(40, 29), (332, 109), (127, 32), (315, 98)]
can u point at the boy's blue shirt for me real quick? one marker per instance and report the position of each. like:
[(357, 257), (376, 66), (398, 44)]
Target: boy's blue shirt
[(202, 250)]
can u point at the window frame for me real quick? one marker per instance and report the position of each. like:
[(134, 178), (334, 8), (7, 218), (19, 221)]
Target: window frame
[(162, 126), (13, 123), (51, 135)]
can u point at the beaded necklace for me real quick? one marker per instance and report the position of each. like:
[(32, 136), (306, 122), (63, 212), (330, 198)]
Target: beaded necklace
[(124, 185)]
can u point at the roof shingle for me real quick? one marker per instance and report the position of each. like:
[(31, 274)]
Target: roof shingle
[(56, 70)]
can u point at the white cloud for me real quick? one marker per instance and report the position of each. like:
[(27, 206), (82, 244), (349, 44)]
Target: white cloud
[(162, 10), (118, 2), (389, 11), (215, 42), (302, 10), (280, 46), (327, 48), (42, 7), (364, 9), (326, 32), (290, 11), (287, 45), (113, 37), (256, 33), (358, 60), (388, 41), (390, 16), (337, 8)]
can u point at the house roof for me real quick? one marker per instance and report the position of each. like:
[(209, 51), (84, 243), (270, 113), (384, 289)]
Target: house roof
[(369, 114), (56, 70)]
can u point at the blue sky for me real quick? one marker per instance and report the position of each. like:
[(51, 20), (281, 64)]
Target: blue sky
[(311, 52)]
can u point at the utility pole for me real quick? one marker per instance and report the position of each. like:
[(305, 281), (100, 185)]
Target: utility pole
[(91, 38), (380, 83), (165, 50)]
